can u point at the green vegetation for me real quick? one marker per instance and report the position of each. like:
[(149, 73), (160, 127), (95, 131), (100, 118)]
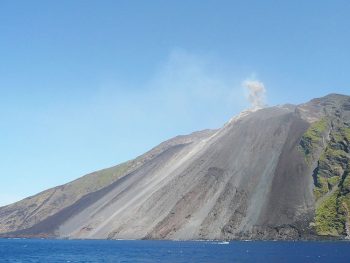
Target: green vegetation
[(332, 187), (313, 138), (332, 161), (329, 219), (324, 185), (342, 133), (345, 205), (316, 130), (109, 175), (98, 180), (321, 187), (333, 181), (345, 131), (331, 153), (337, 136)]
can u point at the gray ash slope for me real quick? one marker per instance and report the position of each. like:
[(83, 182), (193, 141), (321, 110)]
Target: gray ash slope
[(251, 179)]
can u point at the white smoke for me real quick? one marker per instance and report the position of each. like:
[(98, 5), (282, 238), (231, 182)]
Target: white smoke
[(256, 93)]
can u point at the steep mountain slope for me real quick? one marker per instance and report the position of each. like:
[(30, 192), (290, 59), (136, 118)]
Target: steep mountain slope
[(34, 209), (275, 173)]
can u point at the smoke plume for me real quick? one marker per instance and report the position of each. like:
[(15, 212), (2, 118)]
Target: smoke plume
[(256, 93)]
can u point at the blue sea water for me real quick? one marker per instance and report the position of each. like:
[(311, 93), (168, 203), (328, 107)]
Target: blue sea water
[(37, 250)]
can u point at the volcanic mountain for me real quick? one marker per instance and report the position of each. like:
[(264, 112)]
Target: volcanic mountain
[(275, 173)]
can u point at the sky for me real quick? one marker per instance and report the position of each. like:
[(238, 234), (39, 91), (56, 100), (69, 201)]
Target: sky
[(85, 85)]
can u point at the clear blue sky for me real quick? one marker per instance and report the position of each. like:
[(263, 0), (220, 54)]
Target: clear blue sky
[(88, 84)]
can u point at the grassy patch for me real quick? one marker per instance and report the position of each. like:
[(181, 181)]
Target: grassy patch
[(337, 136), (321, 188), (331, 153), (313, 137), (316, 130), (329, 220), (345, 131), (322, 183), (333, 181), (98, 180)]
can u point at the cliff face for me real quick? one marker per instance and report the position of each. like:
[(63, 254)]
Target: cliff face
[(326, 146), (275, 173)]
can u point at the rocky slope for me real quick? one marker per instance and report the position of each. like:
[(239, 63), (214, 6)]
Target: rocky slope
[(275, 173)]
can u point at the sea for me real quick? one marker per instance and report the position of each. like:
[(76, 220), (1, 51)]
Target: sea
[(43, 250)]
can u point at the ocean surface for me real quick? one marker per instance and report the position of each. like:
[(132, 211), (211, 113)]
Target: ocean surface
[(37, 250)]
